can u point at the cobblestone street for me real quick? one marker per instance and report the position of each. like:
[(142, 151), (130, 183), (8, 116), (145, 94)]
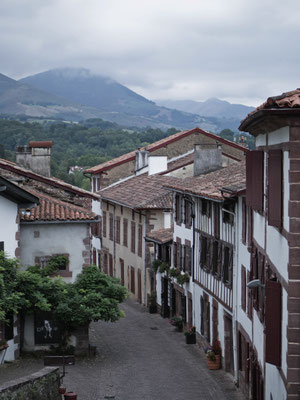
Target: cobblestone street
[(140, 357)]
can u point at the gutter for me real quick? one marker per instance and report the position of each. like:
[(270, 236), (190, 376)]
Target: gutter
[(81, 221)]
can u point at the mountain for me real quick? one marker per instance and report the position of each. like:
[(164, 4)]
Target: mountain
[(76, 95), (210, 108)]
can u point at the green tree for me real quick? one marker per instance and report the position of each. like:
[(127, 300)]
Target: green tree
[(227, 134)]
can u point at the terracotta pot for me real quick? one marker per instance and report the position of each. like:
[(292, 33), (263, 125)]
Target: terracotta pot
[(190, 339), (70, 396), (216, 364)]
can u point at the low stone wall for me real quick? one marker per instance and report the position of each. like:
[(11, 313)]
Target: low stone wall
[(40, 385)]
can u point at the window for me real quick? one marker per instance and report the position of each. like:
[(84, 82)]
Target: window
[(104, 223), (215, 257), (228, 213), (227, 265), (187, 213), (125, 232), (1, 246), (111, 271), (275, 188), (205, 257), (216, 220), (188, 257), (206, 207), (122, 271), (132, 236)]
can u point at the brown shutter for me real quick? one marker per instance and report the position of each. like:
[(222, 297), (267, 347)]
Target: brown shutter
[(219, 265), (275, 188), (140, 240), (175, 254), (118, 222), (178, 209), (125, 232), (122, 271), (249, 297), (133, 236), (216, 220), (111, 226), (104, 223), (111, 272), (208, 254), (249, 162), (257, 195), (244, 221), (132, 280), (273, 323), (243, 289)]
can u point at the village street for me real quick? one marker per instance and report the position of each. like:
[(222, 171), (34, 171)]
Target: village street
[(140, 357)]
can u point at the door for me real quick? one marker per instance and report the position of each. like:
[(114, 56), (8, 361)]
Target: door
[(228, 351), (164, 298), (139, 286)]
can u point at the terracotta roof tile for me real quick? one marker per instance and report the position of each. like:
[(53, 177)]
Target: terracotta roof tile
[(287, 100), (161, 236), (34, 143), (53, 209), (140, 192), (231, 178)]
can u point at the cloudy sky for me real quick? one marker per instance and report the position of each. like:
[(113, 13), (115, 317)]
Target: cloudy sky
[(239, 50)]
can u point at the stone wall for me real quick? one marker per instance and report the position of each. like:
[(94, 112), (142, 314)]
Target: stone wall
[(41, 385)]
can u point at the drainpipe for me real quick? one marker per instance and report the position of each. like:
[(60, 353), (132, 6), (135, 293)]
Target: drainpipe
[(145, 261)]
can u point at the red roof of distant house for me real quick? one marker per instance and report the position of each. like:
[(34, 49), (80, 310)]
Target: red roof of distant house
[(33, 143), (275, 105), (161, 236), (155, 146)]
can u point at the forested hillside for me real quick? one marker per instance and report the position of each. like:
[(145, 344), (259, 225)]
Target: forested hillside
[(86, 144)]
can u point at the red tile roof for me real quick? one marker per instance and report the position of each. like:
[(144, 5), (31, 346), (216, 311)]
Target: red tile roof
[(285, 101), (141, 192), (231, 179), (34, 143), (53, 209), (155, 146), (161, 235)]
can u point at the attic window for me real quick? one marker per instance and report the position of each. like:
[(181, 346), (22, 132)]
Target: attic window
[(205, 207), (228, 213)]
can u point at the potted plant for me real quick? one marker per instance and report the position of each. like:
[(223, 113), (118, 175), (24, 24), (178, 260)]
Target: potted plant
[(177, 322), (190, 335), (213, 355), (152, 303), (3, 344)]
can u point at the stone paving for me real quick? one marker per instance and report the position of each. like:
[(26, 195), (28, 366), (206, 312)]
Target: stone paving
[(140, 357)]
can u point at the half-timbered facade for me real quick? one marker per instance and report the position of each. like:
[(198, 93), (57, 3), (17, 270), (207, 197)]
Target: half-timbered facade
[(268, 322)]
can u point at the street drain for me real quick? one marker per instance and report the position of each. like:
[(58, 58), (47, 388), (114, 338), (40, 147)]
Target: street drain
[(154, 328)]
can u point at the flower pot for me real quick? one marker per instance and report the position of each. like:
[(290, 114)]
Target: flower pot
[(153, 309), (216, 364), (190, 339), (70, 396), (3, 346), (62, 390)]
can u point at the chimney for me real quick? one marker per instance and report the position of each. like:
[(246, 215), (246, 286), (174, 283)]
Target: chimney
[(207, 158), (141, 161), (157, 164), (36, 157)]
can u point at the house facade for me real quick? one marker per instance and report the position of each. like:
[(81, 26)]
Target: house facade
[(268, 320), (14, 202)]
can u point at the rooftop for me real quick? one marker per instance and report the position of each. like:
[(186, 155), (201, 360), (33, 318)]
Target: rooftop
[(141, 192), (230, 179), (160, 236), (275, 105), (155, 146)]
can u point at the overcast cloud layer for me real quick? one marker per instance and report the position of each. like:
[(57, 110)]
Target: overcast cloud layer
[(241, 51)]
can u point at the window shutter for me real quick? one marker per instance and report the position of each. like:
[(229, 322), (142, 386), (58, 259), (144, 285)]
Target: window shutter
[(140, 240), (257, 195), (273, 323), (202, 315), (104, 223), (118, 222), (249, 297), (208, 254), (243, 288), (244, 221), (111, 227), (132, 237), (175, 254), (219, 265), (216, 220), (125, 232), (249, 159), (275, 188)]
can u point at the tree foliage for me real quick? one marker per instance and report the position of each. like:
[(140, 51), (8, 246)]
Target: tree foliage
[(93, 296)]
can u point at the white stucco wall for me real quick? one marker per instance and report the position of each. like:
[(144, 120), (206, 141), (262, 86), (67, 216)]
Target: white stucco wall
[(278, 250), (260, 140), (274, 384), (8, 225), (278, 136), (54, 239), (259, 229)]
